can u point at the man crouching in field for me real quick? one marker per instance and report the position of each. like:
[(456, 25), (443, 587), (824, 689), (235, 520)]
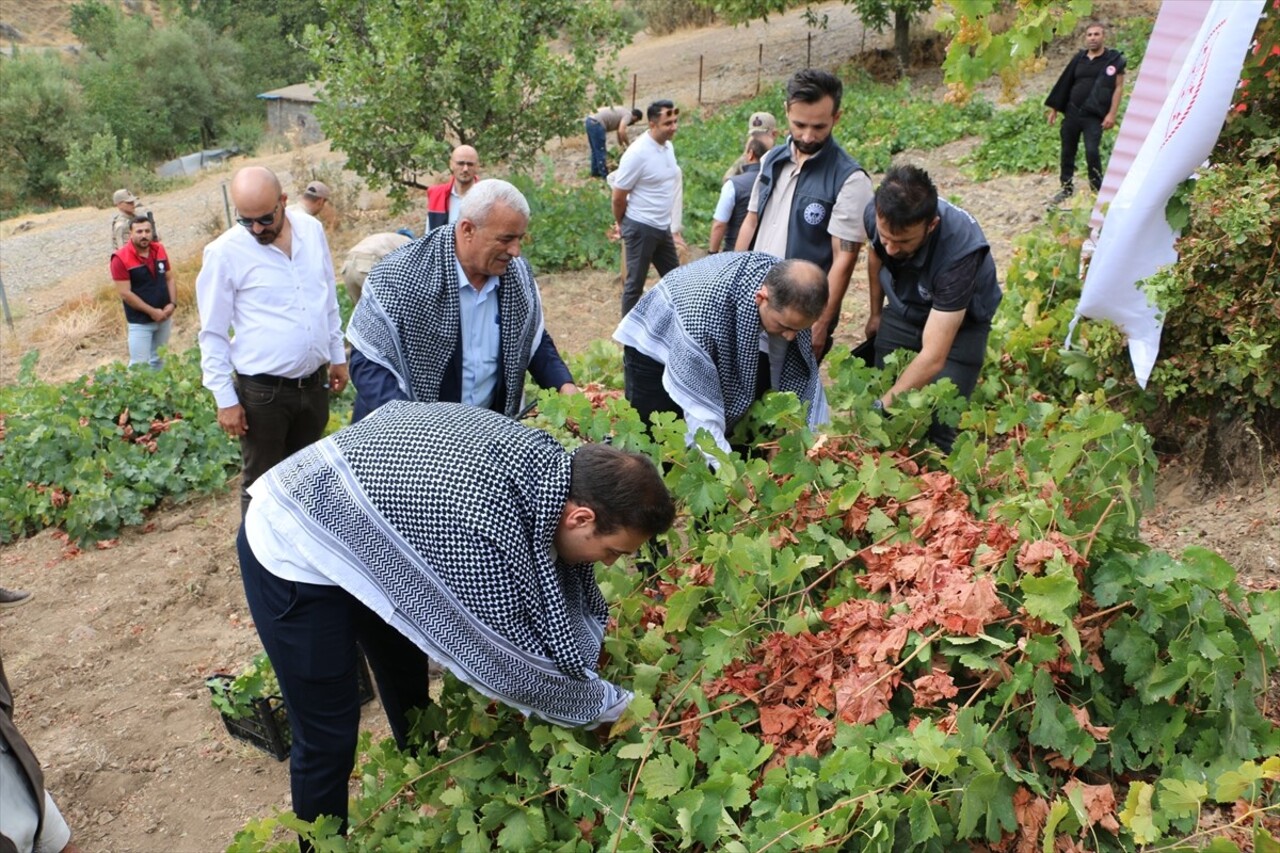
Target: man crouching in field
[(444, 530)]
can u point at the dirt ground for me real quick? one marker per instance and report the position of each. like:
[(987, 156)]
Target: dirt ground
[(109, 658)]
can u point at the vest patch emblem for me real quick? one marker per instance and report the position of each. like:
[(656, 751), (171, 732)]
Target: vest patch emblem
[(814, 213)]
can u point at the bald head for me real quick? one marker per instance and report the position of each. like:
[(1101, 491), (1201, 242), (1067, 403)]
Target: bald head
[(798, 285), (464, 165), (253, 187), (259, 202)]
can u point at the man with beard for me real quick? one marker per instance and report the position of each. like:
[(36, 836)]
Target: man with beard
[(809, 196), (444, 201), (144, 280), (271, 279), (932, 263)]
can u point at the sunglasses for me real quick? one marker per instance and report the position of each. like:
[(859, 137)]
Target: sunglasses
[(265, 221)]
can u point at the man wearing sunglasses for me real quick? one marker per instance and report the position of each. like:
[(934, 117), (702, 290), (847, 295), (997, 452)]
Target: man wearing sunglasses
[(713, 336), (270, 278)]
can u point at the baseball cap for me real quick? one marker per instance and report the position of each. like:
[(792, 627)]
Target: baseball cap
[(315, 189), (762, 123), (122, 195)]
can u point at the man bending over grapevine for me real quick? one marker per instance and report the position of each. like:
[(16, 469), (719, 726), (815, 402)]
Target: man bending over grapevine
[(440, 530)]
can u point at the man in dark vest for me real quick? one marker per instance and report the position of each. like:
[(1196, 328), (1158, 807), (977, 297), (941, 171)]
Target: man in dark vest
[(809, 196), (931, 264), (1088, 95), (144, 280), (29, 820), (731, 209)]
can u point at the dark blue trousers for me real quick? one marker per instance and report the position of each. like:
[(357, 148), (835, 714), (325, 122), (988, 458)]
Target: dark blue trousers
[(310, 633)]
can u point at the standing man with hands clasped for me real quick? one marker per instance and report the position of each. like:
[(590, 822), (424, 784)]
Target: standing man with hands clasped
[(1088, 95), (144, 280), (271, 279)]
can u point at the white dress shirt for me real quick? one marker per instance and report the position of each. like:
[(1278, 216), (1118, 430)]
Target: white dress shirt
[(284, 309)]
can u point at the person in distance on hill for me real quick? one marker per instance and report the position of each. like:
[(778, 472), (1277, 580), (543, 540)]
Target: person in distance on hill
[(808, 198), (712, 337), (445, 531), (599, 124), (645, 187), (456, 315), (444, 201), (270, 278), (1088, 95), (933, 287), (144, 280)]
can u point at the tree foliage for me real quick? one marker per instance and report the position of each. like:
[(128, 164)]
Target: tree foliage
[(405, 81), (40, 105), (269, 35)]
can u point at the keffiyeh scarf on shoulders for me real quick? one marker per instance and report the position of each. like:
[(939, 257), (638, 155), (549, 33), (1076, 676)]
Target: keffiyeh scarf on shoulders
[(702, 323), (408, 319), (440, 518)]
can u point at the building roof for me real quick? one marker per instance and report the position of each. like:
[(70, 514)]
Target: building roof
[(305, 92)]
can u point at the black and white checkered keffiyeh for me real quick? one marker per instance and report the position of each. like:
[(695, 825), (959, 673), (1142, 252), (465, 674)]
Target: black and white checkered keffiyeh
[(440, 518), (702, 323), (408, 319)]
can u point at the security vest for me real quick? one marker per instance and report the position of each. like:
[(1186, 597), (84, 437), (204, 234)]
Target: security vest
[(742, 185), (150, 287), (911, 283), (817, 186)]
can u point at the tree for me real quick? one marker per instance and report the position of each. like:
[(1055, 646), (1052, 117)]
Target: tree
[(405, 80), (269, 33), (39, 101)]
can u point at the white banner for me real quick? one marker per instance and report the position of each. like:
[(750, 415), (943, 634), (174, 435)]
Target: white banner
[(1136, 239)]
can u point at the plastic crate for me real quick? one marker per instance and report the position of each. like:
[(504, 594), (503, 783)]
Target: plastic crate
[(267, 727)]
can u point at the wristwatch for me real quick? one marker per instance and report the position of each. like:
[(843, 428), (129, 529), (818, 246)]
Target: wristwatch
[(878, 405)]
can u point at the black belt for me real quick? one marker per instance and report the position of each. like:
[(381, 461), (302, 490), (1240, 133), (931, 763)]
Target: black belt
[(319, 377)]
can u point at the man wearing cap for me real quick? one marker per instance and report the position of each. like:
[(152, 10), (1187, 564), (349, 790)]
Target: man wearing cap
[(645, 189), (314, 199), (809, 196), (271, 279), (126, 209), (456, 316), (365, 254), (444, 201), (762, 126), (731, 209), (144, 280), (599, 124)]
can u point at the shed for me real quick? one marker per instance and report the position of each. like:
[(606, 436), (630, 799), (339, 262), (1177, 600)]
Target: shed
[(291, 110)]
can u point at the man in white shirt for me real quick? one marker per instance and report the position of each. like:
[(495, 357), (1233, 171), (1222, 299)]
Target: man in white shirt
[(271, 279), (314, 199), (644, 191)]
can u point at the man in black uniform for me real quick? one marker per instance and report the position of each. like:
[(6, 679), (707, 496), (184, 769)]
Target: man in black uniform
[(1088, 95)]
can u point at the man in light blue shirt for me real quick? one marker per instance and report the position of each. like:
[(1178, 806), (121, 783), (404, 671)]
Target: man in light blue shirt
[(456, 315)]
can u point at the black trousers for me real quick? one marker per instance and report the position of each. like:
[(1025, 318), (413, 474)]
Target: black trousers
[(642, 385), (964, 361), (1074, 126), (284, 416), (310, 633), (645, 245)]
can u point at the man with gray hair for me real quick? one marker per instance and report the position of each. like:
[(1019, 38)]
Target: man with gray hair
[(713, 336), (456, 316)]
